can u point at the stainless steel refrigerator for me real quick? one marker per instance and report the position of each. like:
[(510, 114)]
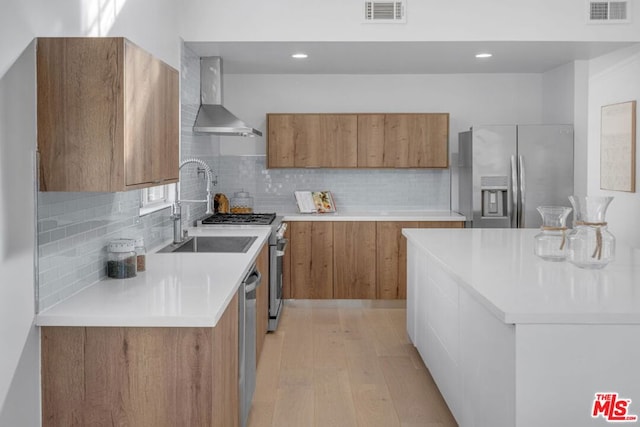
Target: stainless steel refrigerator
[(505, 172)]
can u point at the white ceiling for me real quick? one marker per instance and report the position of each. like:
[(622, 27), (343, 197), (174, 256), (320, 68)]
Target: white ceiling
[(398, 57)]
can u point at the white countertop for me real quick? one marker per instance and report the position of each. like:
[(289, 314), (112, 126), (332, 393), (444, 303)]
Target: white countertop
[(177, 289), (499, 269), (389, 215)]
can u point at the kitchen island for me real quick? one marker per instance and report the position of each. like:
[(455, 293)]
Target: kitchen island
[(513, 340)]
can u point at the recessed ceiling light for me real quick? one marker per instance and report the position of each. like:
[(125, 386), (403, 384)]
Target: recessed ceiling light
[(484, 55), (300, 55)]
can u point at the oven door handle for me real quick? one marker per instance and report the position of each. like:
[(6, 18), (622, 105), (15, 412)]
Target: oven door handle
[(281, 246)]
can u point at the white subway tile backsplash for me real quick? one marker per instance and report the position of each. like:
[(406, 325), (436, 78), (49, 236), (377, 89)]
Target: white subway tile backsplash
[(353, 189)]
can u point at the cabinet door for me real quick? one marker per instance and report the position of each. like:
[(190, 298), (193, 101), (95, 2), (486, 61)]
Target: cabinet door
[(392, 259), (262, 299), (80, 114), (226, 409), (326, 140), (354, 260), (311, 248), (281, 134), (417, 140), (151, 129), (372, 152), (312, 140)]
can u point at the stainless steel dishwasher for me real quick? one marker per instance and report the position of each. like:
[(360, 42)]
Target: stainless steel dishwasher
[(247, 341)]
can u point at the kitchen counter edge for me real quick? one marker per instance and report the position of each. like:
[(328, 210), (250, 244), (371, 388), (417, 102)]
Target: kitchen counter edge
[(377, 216)]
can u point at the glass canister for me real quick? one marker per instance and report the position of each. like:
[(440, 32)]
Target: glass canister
[(550, 243), (590, 244), (141, 255), (121, 259), (241, 202)]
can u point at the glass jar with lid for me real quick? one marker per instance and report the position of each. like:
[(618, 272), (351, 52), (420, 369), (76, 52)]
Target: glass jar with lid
[(141, 255), (241, 202), (121, 259)]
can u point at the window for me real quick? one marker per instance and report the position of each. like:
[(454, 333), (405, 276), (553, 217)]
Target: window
[(155, 198)]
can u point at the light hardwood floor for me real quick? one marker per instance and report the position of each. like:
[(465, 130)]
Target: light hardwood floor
[(344, 364)]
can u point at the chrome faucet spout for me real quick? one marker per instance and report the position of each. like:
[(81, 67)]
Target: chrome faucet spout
[(176, 210)]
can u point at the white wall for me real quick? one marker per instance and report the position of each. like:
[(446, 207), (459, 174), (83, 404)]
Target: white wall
[(458, 20), (19, 391), (564, 101), (614, 78), (152, 24)]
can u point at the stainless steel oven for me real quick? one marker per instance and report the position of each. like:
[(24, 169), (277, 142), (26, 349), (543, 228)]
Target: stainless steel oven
[(277, 247)]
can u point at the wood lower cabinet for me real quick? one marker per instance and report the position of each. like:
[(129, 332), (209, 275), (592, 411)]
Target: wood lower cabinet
[(350, 259), (312, 140), (392, 255), (262, 299), (311, 248), (354, 260), (151, 377), (107, 116)]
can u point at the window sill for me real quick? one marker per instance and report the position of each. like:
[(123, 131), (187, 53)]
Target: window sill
[(150, 209)]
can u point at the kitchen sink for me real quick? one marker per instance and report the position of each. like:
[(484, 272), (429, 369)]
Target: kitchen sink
[(220, 244)]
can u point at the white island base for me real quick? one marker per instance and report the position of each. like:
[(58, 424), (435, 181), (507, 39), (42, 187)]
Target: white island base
[(512, 340)]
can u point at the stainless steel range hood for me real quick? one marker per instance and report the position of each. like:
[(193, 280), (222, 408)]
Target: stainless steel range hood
[(212, 117)]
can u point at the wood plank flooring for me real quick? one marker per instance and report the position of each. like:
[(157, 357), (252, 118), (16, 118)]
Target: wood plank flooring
[(344, 363)]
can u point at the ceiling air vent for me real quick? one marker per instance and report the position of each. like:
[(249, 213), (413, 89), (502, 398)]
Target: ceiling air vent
[(608, 11), (385, 12)]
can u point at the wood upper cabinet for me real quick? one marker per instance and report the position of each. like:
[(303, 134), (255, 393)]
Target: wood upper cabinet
[(354, 260), (413, 140), (419, 140), (107, 116), (262, 299), (311, 248), (312, 140), (141, 376), (392, 255)]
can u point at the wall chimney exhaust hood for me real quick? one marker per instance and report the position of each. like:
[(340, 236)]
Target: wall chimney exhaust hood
[(212, 117)]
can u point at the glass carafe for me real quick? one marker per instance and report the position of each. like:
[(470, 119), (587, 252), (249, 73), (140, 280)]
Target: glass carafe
[(550, 243), (590, 244)]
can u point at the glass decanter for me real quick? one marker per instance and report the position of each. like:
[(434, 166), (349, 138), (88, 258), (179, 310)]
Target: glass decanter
[(590, 244), (550, 243)]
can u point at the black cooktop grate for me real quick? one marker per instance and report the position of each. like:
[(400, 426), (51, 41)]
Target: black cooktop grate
[(235, 219)]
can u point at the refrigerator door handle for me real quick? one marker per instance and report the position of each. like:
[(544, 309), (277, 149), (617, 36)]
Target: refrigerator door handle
[(513, 214), (521, 206)]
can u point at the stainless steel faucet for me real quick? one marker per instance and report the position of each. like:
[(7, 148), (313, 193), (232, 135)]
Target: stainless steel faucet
[(176, 209)]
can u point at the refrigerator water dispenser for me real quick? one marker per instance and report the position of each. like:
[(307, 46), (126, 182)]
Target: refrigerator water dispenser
[(494, 202), (494, 196)]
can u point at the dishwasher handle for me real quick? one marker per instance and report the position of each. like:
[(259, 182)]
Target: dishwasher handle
[(281, 246), (252, 282)]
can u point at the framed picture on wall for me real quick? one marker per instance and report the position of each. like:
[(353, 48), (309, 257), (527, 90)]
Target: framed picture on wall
[(618, 147)]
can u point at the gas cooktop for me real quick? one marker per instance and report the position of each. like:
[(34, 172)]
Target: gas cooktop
[(240, 219)]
